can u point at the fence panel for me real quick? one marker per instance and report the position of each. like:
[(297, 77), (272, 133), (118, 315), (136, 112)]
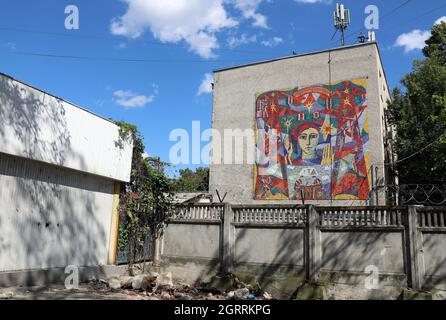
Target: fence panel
[(270, 214), (199, 212), (432, 253)]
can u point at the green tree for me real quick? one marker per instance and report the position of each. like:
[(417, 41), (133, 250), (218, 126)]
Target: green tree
[(146, 202), (193, 181), (419, 113)]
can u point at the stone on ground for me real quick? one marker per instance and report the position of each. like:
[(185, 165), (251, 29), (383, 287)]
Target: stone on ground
[(114, 283), (164, 280), (143, 281)]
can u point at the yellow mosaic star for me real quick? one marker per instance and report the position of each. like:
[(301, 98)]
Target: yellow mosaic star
[(308, 106), (288, 124)]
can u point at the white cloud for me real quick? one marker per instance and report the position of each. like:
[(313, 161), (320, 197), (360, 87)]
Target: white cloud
[(273, 42), (442, 19), (206, 84), (128, 99), (194, 21), (243, 39), (416, 39), (248, 9), (413, 40)]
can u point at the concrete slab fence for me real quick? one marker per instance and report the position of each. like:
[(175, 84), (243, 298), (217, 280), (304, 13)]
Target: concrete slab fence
[(400, 246)]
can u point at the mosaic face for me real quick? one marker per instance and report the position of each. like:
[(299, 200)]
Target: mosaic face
[(313, 143)]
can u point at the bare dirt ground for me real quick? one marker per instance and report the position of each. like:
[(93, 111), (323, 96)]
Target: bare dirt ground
[(104, 290), (60, 293), (150, 287)]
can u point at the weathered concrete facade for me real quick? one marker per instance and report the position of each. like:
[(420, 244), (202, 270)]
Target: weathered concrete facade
[(282, 245), (234, 107), (60, 171)]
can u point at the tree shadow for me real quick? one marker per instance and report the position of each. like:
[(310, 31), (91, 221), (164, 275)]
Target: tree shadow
[(51, 216), (433, 252), (353, 257), (282, 268)]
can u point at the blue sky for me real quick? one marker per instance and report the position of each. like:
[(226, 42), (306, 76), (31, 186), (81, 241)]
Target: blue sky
[(181, 41)]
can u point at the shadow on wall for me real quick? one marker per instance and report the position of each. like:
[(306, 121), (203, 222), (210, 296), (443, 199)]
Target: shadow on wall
[(346, 258), (279, 275), (354, 251), (283, 269), (50, 216), (434, 260), (26, 116)]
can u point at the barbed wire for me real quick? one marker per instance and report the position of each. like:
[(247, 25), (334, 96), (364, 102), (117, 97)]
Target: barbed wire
[(412, 194)]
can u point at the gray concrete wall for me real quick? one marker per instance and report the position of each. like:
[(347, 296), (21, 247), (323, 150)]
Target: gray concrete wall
[(429, 247), (433, 259), (269, 246), (355, 251), (188, 240), (234, 108), (52, 216), (402, 246)]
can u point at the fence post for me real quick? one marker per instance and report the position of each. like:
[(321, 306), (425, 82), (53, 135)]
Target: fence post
[(313, 245), (413, 244), (155, 248), (228, 239)]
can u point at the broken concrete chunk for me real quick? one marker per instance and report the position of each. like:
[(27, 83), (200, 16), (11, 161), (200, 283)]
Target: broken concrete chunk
[(143, 282), (6, 295), (164, 280), (126, 282), (114, 283), (267, 296)]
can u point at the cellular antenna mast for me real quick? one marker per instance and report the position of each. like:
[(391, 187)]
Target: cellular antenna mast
[(341, 20)]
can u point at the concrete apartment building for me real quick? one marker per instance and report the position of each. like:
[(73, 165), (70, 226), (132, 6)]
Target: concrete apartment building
[(314, 124), (60, 173)]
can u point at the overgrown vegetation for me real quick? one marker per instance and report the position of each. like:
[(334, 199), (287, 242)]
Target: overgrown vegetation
[(146, 202), (419, 113)]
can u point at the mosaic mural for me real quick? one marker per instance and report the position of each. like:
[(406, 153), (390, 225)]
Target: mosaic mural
[(312, 143)]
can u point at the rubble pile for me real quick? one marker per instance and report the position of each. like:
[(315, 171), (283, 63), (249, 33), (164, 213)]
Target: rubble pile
[(154, 286)]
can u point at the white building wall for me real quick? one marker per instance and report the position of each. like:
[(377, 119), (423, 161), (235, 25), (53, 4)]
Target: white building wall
[(52, 216), (38, 126), (59, 169)]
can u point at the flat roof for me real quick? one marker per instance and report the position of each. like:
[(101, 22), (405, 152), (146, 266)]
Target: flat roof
[(353, 46), (299, 55), (54, 96)]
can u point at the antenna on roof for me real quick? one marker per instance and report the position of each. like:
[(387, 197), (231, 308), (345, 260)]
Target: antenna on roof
[(341, 20), (362, 38)]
